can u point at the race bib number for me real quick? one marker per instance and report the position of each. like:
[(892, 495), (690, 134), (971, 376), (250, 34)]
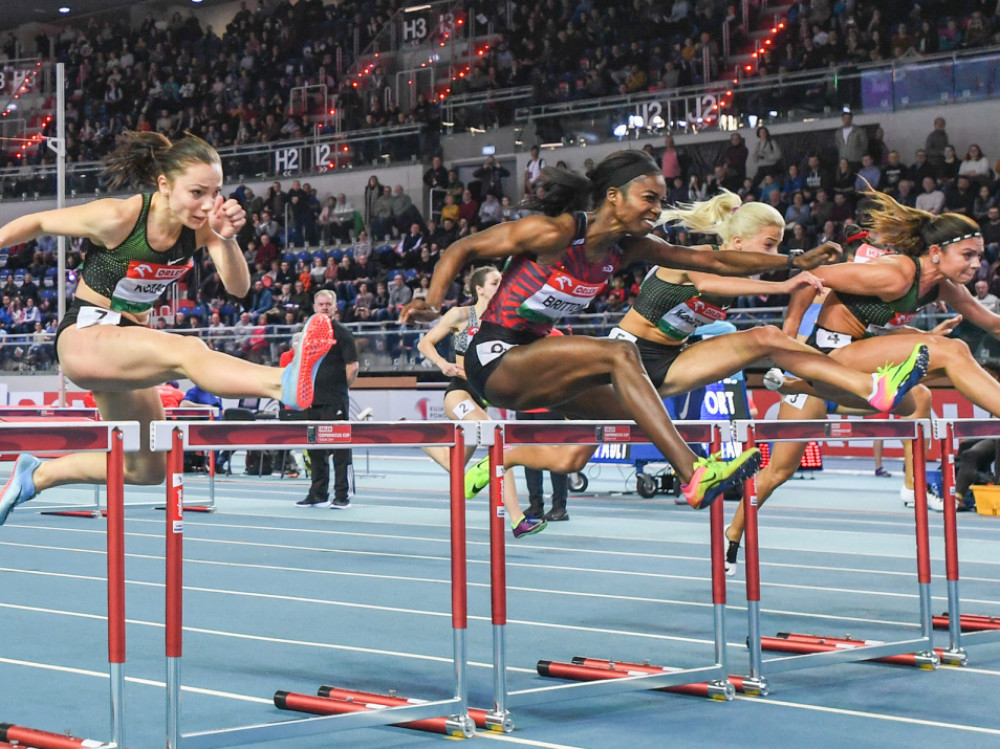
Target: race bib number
[(491, 350), (97, 316), (681, 321), (623, 335), (143, 283), (561, 295), (899, 320), (830, 339), (795, 401)]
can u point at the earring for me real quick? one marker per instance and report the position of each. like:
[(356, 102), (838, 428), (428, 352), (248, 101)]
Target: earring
[(935, 260)]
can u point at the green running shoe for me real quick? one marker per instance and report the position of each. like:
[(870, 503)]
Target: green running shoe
[(713, 476)]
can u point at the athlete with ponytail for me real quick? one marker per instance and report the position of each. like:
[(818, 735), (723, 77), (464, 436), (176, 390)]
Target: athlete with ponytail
[(136, 248), (559, 261)]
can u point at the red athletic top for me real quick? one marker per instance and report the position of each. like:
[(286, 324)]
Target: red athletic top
[(532, 297)]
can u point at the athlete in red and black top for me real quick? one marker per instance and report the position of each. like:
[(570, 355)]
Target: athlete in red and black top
[(578, 376)]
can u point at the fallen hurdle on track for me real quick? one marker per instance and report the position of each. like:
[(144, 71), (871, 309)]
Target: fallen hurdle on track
[(113, 438), (962, 628), (176, 437), (810, 650), (496, 435)]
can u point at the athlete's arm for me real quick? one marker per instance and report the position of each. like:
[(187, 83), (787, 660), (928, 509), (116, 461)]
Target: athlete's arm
[(450, 323), (531, 235), (888, 277), (652, 249), (106, 222), (726, 286), (226, 219), (961, 300), (796, 310)]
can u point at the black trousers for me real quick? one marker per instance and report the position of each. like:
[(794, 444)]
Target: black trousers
[(343, 469)]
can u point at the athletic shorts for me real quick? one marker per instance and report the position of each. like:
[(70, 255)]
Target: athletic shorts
[(657, 358), (72, 317), (461, 385), (826, 341), (486, 351)]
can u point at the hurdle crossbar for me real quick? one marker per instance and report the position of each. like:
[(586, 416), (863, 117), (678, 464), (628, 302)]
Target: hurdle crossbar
[(962, 628), (822, 430), (498, 434), (113, 438), (176, 437)]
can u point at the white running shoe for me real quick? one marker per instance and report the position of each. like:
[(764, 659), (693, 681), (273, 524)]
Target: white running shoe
[(774, 378), (934, 501)]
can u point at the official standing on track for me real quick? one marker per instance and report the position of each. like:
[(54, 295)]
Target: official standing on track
[(331, 402)]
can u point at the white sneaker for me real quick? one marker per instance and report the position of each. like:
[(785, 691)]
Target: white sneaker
[(934, 502), (732, 557), (774, 378)]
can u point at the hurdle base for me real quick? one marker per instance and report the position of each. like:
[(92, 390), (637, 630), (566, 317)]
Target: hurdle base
[(22, 736), (754, 686), (954, 657), (191, 508), (502, 722), (76, 513), (480, 718), (791, 642), (967, 622), (596, 669)]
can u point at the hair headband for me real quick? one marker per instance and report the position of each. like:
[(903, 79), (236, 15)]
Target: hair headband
[(953, 240), (863, 234)]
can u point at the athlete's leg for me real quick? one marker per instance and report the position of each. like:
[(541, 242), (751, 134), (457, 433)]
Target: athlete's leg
[(458, 406), (143, 467)]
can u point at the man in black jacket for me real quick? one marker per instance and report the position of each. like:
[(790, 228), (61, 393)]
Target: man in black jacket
[(331, 402)]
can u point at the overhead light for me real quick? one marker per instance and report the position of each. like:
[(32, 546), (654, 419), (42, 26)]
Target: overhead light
[(554, 144), (415, 8), (64, 9), (620, 130)]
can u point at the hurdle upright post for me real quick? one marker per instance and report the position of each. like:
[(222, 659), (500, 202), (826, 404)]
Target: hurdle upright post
[(752, 573), (922, 529), (459, 568), (174, 584), (116, 584), (955, 653), (716, 532), (493, 438)]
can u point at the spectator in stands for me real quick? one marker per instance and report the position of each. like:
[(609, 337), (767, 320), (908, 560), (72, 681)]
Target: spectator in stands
[(412, 243), (403, 211), (985, 298), (869, 175), (905, 194), (364, 303), (490, 212), (533, 170), (922, 168), (932, 198), (991, 233), (982, 204), (821, 208), (381, 221), (844, 181), (893, 172), (976, 167), (276, 200), (344, 219), (261, 299), (735, 157), (468, 209), (936, 142), (399, 295), (767, 156), (851, 141), (329, 230), (670, 161), (947, 170), (490, 176), (271, 228), (798, 212), (959, 197)]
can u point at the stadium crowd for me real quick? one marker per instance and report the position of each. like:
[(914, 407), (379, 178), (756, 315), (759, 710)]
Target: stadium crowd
[(378, 252)]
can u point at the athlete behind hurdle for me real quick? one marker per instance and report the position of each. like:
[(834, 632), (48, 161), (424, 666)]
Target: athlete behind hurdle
[(558, 263), (136, 248)]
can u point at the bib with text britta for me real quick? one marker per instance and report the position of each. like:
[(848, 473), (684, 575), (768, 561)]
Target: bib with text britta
[(143, 283), (681, 321), (560, 296)]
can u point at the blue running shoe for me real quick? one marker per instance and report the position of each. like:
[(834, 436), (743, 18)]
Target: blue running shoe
[(527, 526), (299, 377), (20, 486)]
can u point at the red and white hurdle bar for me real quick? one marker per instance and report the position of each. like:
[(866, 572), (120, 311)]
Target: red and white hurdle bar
[(85, 413), (811, 649), (968, 627), (176, 437), (496, 435), (113, 438)]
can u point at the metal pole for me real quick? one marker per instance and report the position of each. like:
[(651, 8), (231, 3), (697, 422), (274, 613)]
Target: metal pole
[(174, 585), (60, 203), (116, 586)]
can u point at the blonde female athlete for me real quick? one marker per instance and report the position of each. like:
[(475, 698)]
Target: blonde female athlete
[(137, 247)]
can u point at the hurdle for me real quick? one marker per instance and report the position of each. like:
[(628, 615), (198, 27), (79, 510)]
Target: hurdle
[(967, 628), (176, 437), (809, 651), (590, 681), (36, 413), (46, 413), (113, 438)]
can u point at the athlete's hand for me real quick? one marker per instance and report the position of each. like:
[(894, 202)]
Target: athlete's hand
[(946, 327), (227, 218), (419, 311), (828, 252), (801, 280), (450, 369)]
